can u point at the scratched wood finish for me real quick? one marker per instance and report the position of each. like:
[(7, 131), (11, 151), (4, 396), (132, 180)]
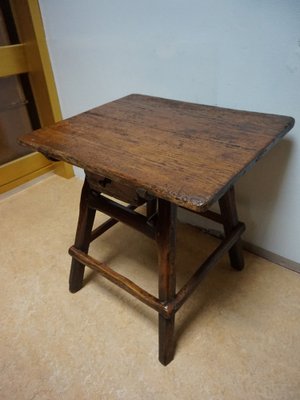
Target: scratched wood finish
[(166, 243), (126, 193), (82, 239), (122, 213), (230, 221), (185, 153), (119, 280)]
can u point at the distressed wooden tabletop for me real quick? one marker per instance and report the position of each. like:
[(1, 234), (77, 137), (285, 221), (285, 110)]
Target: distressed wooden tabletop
[(186, 153)]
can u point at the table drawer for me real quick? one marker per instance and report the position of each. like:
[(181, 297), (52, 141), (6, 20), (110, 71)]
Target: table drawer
[(118, 190)]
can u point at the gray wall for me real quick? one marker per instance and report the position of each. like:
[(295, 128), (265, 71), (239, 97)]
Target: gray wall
[(232, 53)]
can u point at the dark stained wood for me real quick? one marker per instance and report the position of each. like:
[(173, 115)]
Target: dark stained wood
[(106, 225), (230, 221), (185, 292), (165, 153), (165, 237), (212, 215), (121, 213), (163, 229), (101, 184), (82, 238), (103, 228), (120, 280), (185, 153), (151, 208)]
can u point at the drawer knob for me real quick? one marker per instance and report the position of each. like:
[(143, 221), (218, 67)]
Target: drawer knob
[(104, 182)]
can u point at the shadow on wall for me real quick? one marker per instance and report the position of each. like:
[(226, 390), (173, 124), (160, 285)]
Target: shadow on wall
[(258, 193), (261, 190)]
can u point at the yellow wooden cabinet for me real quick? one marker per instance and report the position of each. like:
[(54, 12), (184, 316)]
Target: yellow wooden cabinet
[(31, 57)]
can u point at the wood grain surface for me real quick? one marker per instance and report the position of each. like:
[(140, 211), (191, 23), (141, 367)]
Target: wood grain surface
[(186, 153)]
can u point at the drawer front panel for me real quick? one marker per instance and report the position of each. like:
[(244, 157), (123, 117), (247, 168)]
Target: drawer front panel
[(118, 190)]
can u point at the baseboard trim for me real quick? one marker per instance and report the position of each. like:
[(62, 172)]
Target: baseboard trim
[(258, 251), (216, 230), (270, 256)]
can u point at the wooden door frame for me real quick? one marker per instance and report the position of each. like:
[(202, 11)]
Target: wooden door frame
[(31, 57)]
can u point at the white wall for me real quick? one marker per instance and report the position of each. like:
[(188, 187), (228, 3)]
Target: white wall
[(233, 53)]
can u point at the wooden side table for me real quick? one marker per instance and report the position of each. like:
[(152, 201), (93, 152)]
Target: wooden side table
[(164, 153)]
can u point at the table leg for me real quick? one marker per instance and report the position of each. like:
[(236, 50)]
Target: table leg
[(166, 236), (151, 207), (230, 221), (82, 238)]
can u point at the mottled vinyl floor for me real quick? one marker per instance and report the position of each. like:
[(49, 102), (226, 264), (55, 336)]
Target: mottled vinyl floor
[(238, 336)]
